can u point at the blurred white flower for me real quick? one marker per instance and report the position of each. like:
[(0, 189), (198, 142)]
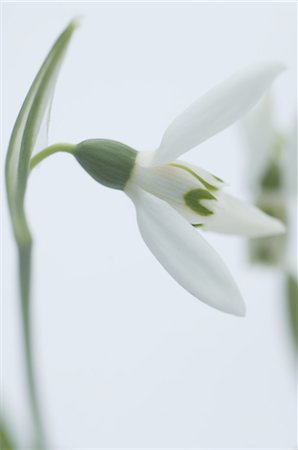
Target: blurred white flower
[(274, 186), (274, 180), (272, 152)]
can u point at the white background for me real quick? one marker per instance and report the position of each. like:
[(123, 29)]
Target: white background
[(126, 358)]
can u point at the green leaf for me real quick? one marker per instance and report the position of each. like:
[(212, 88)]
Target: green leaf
[(22, 142), (25, 132)]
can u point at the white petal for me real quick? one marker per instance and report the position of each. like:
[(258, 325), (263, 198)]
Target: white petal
[(232, 216), (170, 182), (215, 111), (259, 134), (145, 158), (227, 214), (184, 253)]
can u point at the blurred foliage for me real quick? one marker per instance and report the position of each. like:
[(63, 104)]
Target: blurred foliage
[(270, 250), (274, 186), (292, 295), (6, 441), (272, 178), (272, 200)]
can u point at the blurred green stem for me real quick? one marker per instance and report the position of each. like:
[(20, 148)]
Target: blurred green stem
[(25, 251), (25, 287), (17, 168), (292, 293), (6, 438)]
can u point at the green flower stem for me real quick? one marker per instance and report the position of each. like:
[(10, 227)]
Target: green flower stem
[(25, 282), (292, 295), (25, 251), (56, 148), (25, 262), (21, 145)]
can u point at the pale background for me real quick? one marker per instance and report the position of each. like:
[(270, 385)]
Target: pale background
[(127, 358)]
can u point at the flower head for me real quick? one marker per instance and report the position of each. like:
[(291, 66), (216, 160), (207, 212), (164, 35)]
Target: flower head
[(175, 200)]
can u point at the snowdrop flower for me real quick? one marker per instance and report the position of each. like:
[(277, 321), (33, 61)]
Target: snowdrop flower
[(175, 200), (266, 146), (274, 180), (274, 186)]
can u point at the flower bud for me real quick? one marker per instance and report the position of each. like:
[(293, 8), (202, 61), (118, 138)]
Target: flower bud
[(108, 162)]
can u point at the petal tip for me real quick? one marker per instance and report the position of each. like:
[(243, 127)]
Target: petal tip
[(275, 227), (281, 228), (236, 306), (267, 71), (279, 68), (275, 68), (76, 22), (240, 309)]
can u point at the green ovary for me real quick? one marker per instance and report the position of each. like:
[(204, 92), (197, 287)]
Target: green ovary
[(108, 162), (193, 199)]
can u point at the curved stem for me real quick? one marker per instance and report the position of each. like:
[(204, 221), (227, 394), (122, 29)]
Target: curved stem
[(56, 148), (25, 251), (25, 284)]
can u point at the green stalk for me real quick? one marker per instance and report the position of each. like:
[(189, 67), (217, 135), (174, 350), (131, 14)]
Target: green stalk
[(24, 253), (25, 265), (22, 142), (66, 148)]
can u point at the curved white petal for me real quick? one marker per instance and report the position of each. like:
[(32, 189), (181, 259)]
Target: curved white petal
[(232, 216), (184, 253), (215, 111)]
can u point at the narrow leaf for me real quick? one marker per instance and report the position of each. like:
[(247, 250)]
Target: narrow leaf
[(31, 118), (25, 133)]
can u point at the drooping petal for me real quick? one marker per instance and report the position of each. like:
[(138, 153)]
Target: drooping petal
[(215, 111), (232, 216), (183, 252)]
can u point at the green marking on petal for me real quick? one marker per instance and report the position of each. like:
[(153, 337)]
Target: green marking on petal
[(193, 198), (197, 225), (208, 186), (218, 179)]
